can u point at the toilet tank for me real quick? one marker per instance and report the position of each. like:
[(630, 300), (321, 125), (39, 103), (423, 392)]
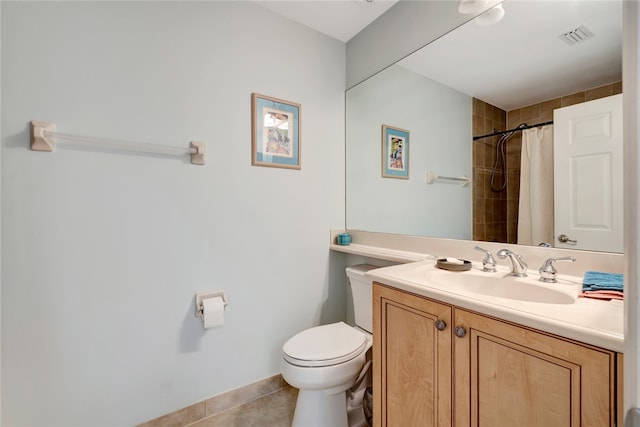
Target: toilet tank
[(362, 292)]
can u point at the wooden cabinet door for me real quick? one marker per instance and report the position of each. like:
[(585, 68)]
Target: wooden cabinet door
[(525, 378), (411, 360)]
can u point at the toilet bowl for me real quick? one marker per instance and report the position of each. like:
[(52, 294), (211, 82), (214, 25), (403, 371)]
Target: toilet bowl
[(322, 363), (325, 362)]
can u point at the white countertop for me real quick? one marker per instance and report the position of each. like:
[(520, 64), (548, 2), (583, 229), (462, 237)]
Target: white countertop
[(377, 252), (595, 322)]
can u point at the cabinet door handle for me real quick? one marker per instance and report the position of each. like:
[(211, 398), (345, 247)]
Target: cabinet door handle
[(460, 331), (441, 325)]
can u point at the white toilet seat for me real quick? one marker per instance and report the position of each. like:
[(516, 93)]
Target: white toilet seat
[(324, 345)]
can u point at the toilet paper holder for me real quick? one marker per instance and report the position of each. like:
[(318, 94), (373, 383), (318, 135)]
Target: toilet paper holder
[(200, 296)]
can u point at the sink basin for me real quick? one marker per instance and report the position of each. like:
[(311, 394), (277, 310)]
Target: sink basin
[(504, 286)]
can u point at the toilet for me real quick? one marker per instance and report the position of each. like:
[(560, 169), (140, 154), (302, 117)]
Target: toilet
[(326, 362)]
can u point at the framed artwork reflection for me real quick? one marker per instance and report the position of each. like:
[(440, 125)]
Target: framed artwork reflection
[(275, 128), (395, 152)]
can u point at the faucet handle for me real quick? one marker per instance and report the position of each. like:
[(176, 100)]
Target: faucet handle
[(488, 263), (548, 272)]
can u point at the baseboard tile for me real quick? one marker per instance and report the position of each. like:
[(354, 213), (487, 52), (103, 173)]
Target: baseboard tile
[(219, 403)]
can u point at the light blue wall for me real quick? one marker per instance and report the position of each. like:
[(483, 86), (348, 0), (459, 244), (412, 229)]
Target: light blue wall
[(103, 252), (438, 119)]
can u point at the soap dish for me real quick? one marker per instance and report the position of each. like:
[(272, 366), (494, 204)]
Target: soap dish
[(453, 266)]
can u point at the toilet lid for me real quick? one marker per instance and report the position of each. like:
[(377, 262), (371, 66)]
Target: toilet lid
[(324, 345)]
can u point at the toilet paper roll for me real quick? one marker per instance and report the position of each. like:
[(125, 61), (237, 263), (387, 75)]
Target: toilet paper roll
[(213, 312)]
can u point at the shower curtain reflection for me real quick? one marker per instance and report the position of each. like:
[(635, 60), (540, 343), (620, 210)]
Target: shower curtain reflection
[(535, 212)]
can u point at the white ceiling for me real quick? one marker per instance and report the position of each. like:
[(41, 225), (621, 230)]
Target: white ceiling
[(517, 62), (340, 19), (521, 60)]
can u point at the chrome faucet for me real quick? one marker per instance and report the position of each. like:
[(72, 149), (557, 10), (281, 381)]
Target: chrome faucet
[(488, 263), (518, 266), (548, 273)]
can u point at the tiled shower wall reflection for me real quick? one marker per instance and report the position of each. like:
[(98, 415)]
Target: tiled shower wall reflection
[(495, 214), (489, 207)]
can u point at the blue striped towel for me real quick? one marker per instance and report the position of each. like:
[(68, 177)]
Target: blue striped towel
[(599, 281)]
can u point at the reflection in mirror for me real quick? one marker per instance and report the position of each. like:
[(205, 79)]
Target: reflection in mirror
[(472, 82)]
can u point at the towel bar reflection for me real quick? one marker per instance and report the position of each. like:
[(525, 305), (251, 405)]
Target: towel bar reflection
[(433, 177), (43, 135)]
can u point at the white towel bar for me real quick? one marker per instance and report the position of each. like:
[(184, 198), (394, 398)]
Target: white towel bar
[(433, 177), (43, 137)]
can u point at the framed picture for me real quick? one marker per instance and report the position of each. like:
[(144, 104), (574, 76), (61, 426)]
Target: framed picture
[(275, 125), (395, 152)]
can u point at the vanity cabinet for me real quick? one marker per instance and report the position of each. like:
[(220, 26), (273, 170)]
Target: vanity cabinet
[(439, 365), (411, 360)]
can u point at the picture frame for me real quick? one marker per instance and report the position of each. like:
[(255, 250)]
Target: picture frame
[(275, 128), (395, 152)]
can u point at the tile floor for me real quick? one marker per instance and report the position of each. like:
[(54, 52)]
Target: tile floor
[(273, 410)]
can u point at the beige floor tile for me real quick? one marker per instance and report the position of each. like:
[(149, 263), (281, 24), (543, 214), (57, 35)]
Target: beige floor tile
[(273, 410), (179, 418), (242, 395)]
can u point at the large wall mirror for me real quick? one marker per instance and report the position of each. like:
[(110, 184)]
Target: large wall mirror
[(472, 82)]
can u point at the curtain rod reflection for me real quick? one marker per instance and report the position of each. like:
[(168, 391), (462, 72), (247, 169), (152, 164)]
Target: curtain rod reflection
[(502, 132)]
